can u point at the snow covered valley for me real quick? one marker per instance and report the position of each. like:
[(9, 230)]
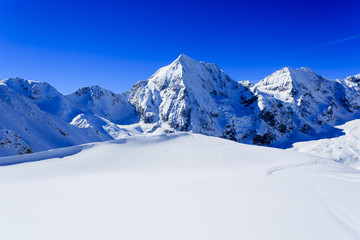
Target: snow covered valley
[(177, 186)]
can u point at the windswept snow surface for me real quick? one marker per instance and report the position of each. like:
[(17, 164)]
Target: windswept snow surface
[(178, 186), (345, 148)]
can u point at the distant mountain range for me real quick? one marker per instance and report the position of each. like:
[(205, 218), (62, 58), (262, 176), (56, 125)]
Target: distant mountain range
[(288, 106)]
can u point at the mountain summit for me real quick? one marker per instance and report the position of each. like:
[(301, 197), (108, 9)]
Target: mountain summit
[(187, 95)]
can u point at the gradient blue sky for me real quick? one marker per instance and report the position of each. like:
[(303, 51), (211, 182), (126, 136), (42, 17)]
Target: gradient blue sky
[(72, 44)]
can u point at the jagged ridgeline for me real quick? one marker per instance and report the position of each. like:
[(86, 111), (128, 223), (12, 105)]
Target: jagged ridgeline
[(187, 95)]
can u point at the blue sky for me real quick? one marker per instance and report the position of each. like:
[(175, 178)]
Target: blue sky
[(72, 44)]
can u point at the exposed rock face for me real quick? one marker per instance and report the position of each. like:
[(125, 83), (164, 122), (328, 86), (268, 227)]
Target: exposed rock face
[(12, 144)]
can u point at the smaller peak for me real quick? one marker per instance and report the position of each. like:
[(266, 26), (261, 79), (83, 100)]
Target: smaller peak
[(89, 89), (95, 87), (285, 71), (297, 70), (93, 90)]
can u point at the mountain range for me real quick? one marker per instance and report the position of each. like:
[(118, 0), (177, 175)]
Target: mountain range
[(289, 106)]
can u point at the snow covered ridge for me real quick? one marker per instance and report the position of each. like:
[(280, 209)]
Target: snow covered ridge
[(288, 106)]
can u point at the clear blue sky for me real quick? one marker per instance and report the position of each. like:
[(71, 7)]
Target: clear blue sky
[(71, 44)]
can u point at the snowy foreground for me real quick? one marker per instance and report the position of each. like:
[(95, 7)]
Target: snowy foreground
[(181, 186)]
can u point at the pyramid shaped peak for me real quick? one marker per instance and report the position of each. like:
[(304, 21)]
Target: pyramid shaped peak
[(290, 80), (284, 73), (288, 69), (185, 57), (291, 74), (294, 70), (185, 60)]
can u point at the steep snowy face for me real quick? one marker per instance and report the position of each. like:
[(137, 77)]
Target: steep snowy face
[(191, 96), (102, 102)]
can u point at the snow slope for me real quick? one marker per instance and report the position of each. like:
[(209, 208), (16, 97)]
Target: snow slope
[(178, 186), (344, 148), (36, 117)]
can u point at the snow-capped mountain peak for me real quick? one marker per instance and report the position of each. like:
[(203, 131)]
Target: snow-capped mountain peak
[(288, 83), (94, 92), (185, 95), (186, 60)]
